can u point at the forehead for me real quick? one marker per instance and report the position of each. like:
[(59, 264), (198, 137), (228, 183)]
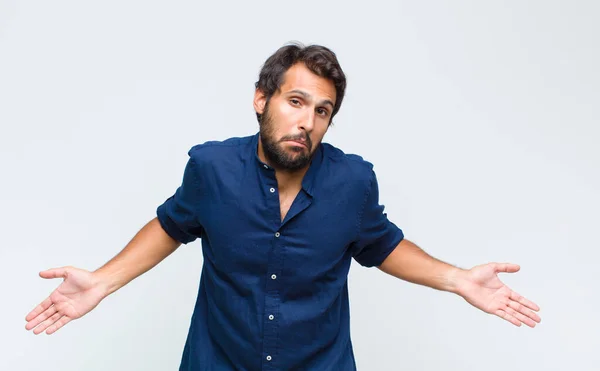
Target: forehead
[(300, 77)]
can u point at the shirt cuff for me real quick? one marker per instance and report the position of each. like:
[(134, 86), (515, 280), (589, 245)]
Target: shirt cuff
[(170, 227)]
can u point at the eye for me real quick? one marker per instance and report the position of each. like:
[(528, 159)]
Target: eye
[(294, 101), (322, 112)]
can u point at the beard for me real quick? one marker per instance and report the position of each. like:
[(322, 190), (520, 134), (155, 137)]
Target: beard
[(292, 159)]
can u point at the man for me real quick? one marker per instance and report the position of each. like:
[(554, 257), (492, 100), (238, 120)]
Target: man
[(280, 215)]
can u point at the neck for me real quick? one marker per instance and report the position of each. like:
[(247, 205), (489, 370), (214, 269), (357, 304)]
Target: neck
[(286, 179)]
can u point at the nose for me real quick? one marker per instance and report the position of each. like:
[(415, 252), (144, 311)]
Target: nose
[(307, 122)]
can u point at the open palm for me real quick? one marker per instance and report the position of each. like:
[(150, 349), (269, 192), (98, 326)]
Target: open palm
[(78, 294), (483, 289)]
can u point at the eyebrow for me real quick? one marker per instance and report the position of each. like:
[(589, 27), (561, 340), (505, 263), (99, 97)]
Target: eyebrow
[(307, 96)]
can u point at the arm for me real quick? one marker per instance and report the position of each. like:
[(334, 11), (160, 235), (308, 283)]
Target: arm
[(81, 291), (410, 263), (147, 248), (479, 286)]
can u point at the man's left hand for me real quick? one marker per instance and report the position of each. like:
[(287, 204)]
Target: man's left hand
[(481, 287)]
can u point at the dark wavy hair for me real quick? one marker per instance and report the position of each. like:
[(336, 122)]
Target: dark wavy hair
[(317, 58)]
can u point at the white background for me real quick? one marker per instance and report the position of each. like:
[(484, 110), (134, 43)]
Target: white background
[(482, 120)]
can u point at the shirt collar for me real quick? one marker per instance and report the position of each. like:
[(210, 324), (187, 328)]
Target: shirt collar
[(308, 182)]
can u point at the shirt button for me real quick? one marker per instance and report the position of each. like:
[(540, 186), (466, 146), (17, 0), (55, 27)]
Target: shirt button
[(271, 317), (273, 276), (272, 190), (269, 358), (277, 234)]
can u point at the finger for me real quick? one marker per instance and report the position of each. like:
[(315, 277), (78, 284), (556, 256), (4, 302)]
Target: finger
[(58, 324), (528, 303), (502, 314), (41, 317), (507, 267), (520, 308), (39, 309), (521, 317), (44, 325), (54, 273)]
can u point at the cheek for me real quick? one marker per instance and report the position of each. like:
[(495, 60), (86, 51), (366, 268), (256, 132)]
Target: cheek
[(282, 111), (317, 135), (289, 114)]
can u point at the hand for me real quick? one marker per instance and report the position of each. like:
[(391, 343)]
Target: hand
[(481, 287), (79, 293)]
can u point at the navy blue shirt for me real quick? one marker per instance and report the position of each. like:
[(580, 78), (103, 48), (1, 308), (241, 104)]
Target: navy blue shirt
[(273, 294)]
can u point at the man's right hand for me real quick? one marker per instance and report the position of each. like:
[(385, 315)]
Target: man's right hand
[(81, 290), (79, 293)]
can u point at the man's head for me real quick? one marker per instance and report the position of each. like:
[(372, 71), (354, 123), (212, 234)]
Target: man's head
[(299, 91)]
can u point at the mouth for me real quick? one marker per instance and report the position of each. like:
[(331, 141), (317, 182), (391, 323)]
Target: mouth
[(298, 143)]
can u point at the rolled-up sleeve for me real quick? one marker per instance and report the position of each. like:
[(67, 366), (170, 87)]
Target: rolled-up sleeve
[(377, 236), (178, 214)]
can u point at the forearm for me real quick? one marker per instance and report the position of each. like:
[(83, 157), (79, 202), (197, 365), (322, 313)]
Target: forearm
[(145, 250), (410, 263)]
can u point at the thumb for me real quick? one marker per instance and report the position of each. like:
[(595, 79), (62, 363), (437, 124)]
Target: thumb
[(506, 268), (55, 272)]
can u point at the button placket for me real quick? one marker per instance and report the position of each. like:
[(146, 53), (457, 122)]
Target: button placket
[(272, 295)]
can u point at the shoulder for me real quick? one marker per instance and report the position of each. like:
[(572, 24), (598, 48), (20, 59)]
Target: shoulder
[(348, 165), (216, 147), (220, 152)]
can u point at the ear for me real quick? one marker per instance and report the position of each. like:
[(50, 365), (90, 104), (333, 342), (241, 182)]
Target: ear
[(259, 101)]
